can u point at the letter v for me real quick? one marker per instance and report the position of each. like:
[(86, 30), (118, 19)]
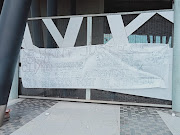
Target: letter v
[(71, 32)]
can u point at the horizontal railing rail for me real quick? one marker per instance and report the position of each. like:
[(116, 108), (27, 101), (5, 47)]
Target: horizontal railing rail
[(98, 15)]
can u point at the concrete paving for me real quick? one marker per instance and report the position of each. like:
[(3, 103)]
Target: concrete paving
[(75, 119), (50, 117), (172, 122), (14, 101)]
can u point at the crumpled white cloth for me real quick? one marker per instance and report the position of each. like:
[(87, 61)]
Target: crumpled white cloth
[(133, 66)]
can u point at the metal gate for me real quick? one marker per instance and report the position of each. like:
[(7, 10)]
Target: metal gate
[(74, 31)]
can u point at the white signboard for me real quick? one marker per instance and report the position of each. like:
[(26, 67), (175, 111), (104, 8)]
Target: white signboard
[(134, 66)]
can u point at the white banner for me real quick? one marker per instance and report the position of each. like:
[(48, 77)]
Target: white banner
[(134, 66)]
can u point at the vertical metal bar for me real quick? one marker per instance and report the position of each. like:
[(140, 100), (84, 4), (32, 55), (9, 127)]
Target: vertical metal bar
[(176, 59), (37, 32), (15, 83), (89, 30), (73, 7), (1, 4), (89, 42), (51, 11), (52, 7), (12, 25), (2, 111)]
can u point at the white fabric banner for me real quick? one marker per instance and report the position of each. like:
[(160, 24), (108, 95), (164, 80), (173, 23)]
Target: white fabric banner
[(134, 66)]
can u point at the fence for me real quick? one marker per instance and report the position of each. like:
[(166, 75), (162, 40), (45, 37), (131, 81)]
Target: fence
[(120, 28)]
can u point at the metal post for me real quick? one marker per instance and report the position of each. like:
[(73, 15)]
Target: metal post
[(73, 7), (89, 42), (37, 32), (2, 111), (52, 7), (176, 58), (15, 84), (1, 4), (12, 25), (51, 11)]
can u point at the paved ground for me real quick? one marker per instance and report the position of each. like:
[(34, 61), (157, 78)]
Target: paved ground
[(46, 117)]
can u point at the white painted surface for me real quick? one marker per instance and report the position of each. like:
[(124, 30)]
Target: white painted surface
[(89, 42), (14, 101), (99, 102), (27, 36), (72, 31), (117, 29), (138, 22), (71, 34), (75, 119), (88, 94), (131, 27), (89, 30), (168, 15), (142, 19), (27, 42), (54, 31), (15, 83), (176, 59), (173, 123)]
